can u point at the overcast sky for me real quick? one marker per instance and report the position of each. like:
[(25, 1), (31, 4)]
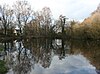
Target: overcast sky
[(74, 9)]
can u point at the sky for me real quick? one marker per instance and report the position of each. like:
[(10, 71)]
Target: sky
[(66, 66), (74, 9)]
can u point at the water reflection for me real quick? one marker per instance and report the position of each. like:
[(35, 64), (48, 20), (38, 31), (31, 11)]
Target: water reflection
[(66, 66), (51, 56)]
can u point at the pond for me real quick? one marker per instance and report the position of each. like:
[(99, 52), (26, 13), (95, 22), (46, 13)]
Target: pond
[(50, 56)]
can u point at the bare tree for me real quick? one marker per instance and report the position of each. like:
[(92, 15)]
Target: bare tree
[(38, 18), (46, 19), (43, 20), (6, 14), (63, 21), (22, 13)]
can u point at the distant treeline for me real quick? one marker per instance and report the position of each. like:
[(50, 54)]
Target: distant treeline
[(20, 20)]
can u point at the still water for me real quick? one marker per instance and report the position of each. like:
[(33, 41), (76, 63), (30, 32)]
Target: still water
[(51, 56)]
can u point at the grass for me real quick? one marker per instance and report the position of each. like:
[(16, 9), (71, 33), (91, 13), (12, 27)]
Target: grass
[(3, 68)]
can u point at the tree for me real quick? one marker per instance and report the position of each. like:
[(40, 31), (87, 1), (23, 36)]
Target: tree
[(95, 18), (6, 14), (63, 21), (38, 21), (71, 27), (42, 21), (46, 19), (23, 13)]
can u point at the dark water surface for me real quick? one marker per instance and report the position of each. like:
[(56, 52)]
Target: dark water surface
[(51, 56)]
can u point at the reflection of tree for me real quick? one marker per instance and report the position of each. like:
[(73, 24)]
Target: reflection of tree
[(23, 60), (17, 57), (89, 49), (7, 47), (60, 49), (24, 66), (41, 51)]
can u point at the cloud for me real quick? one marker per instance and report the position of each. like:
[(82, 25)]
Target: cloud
[(75, 9), (73, 64), (80, 9)]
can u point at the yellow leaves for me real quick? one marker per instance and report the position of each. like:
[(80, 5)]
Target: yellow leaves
[(89, 28), (95, 18), (76, 26), (87, 21)]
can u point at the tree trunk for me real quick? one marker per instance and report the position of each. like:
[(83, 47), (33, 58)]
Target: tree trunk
[(5, 30)]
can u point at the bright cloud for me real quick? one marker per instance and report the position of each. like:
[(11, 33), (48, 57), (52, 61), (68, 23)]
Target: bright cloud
[(73, 64)]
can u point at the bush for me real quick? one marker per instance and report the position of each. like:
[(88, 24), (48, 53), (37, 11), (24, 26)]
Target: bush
[(3, 68)]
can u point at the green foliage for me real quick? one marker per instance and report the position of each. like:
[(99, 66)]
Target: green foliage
[(3, 68), (1, 47)]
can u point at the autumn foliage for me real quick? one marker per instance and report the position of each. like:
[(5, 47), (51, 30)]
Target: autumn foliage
[(89, 28)]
